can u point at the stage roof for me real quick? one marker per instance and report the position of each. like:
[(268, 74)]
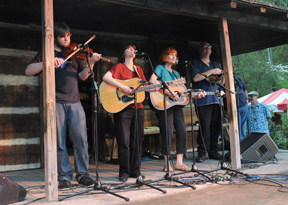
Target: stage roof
[(252, 26)]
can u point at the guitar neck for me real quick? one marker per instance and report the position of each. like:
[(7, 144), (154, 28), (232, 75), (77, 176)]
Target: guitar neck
[(151, 87), (194, 94), (210, 92), (148, 87)]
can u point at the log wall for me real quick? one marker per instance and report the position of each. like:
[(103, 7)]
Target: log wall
[(19, 112), (21, 136)]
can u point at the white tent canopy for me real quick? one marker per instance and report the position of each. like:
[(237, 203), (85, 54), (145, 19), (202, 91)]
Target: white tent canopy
[(275, 98)]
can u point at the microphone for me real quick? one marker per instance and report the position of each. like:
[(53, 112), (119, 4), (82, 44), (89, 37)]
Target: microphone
[(143, 82), (81, 46), (183, 62), (139, 53)]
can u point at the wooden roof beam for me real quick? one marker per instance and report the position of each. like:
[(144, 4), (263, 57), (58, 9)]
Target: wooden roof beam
[(191, 8)]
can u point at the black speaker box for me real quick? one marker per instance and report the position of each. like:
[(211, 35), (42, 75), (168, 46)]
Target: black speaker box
[(258, 147), (10, 191)]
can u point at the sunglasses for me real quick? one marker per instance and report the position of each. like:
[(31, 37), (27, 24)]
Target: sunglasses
[(205, 47)]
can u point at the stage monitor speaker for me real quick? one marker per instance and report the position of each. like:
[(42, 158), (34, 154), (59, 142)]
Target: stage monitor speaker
[(10, 191), (258, 147)]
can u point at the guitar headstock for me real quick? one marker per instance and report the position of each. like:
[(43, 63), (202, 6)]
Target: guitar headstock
[(179, 81)]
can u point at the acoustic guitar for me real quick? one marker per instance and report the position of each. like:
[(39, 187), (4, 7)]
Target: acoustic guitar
[(157, 98), (114, 99)]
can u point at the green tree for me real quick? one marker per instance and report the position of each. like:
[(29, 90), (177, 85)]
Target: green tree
[(264, 71)]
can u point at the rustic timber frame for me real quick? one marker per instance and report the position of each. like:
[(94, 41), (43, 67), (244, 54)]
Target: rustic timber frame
[(238, 29)]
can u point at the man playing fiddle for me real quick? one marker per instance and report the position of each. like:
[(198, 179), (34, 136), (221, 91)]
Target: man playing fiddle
[(69, 111)]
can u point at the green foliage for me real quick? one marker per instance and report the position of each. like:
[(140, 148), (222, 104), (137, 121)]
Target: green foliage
[(275, 2), (264, 71), (279, 132)]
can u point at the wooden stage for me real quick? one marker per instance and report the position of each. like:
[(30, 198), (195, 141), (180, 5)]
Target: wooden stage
[(33, 181)]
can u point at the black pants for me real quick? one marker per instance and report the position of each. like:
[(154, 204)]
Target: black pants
[(129, 152), (175, 119), (210, 126)]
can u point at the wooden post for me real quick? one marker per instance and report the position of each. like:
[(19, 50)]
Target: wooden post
[(231, 99), (49, 102)]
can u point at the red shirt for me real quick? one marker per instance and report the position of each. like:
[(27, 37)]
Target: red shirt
[(121, 72)]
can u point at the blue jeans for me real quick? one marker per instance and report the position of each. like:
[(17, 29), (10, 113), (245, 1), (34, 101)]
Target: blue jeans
[(243, 112), (71, 117)]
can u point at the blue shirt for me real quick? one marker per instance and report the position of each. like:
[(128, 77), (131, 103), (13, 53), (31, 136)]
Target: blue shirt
[(257, 118), (165, 74), (241, 97), (197, 66)]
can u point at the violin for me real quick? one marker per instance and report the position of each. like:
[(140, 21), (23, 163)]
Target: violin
[(77, 52)]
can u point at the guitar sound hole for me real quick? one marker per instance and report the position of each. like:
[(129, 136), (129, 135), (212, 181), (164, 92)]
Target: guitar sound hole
[(126, 98), (181, 98), (118, 94)]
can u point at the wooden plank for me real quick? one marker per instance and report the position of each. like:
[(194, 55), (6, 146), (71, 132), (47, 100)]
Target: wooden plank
[(12, 133), (49, 104), (22, 95), (17, 53), (15, 167), (13, 65), (19, 126), (191, 8), (231, 100), (150, 117), (20, 141), (7, 80), (18, 110), (187, 115), (19, 154)]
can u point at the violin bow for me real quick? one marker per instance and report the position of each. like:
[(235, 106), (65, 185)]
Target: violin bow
[(78, 49)]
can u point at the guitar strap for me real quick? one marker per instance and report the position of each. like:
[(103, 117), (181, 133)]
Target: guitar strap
[(135, 68), (173, 71)]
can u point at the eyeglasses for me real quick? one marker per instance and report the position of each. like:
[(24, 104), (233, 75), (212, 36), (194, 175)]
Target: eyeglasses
[(205, 47)]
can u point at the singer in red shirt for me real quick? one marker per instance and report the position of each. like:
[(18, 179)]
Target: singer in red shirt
[(129, 151)]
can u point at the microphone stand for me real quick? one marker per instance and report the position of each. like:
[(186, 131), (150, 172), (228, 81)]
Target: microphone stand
[(165, 87), (194, 168), (97, 186), (227, 155), (140, 178), (221, 87)]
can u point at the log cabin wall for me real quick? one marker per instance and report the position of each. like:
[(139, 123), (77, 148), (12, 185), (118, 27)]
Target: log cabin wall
[(20, 138), (21, 145)]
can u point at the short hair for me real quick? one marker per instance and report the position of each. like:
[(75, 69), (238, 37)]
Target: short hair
[(202, 44), (166, 52), (122, 56), (60, 29)]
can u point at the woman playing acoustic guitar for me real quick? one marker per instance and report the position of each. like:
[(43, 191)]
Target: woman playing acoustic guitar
[(129, 152), (175, 116)]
